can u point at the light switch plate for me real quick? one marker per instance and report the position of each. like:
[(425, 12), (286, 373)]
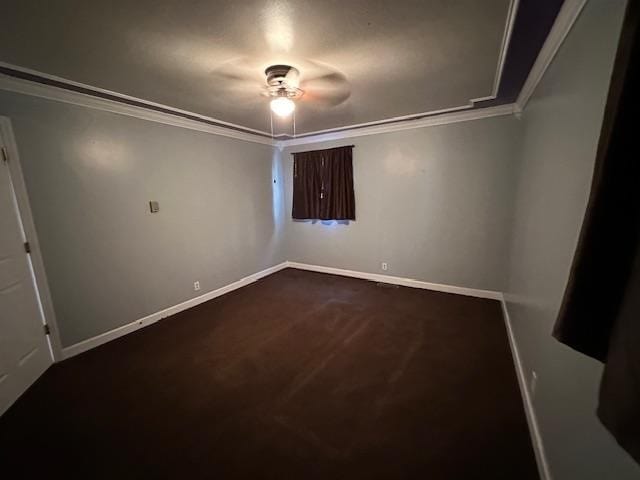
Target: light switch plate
[(154, 206)]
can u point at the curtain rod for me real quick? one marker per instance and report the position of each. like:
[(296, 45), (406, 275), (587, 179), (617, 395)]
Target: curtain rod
[(322, 149)]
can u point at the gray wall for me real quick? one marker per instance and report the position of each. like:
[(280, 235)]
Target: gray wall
[(434, 203), (444, 204), (561, 129), (90, 175)]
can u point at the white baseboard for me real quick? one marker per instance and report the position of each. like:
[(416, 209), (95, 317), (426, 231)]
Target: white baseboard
[(536, 438), (405, 282), (93, 342)]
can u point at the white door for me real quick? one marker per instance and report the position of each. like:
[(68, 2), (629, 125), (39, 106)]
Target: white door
[(24, 349)]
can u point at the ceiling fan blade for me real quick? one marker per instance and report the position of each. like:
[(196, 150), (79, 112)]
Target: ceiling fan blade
[(327, 90), (292, 78), (237, 82), (238, 71)]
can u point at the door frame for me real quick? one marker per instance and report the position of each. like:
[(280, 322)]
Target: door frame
[(26, 218)]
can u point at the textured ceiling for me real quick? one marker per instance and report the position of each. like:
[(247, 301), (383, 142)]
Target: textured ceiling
[(394, 58)]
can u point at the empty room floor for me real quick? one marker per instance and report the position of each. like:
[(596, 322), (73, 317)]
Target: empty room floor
[(300, 375)]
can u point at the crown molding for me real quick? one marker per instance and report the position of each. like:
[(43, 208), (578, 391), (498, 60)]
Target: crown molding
[(502, 56), (281, 139), (504, 48), (565, 20), (60, 89), (377, 123), (51, 92), (441, 119)]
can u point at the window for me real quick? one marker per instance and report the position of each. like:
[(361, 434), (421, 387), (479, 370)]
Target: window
[(323, 185)]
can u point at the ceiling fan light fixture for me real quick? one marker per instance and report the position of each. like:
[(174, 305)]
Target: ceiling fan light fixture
[(282, 106)]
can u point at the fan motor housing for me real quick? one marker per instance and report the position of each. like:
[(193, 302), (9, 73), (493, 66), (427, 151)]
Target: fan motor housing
[(277, 74)]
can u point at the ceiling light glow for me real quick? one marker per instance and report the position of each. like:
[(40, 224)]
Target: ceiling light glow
[(282, 106)]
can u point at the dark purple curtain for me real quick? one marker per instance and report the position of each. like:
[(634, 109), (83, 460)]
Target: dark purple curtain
[(323, 185), (600, 314)]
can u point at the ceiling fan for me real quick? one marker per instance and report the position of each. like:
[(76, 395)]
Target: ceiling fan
[(310, 83), (282, 87)]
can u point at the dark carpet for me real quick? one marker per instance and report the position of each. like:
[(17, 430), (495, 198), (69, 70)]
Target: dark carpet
[(298, 376)]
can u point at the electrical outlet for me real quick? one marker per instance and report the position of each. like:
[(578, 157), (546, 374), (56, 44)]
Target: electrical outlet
[(533, 383), (384, 266), (196, 286)]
